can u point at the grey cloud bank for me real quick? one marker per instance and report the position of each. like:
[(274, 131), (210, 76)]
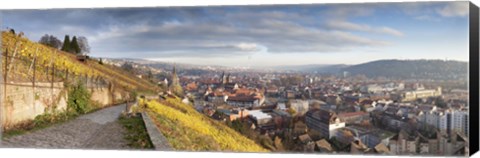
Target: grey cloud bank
[(227, 31)]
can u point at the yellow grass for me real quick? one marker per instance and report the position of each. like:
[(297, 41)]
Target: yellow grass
[(186, 129), (48, 57)]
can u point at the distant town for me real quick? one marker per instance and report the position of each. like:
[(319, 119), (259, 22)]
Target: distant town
[(321, 112), (351, 79)]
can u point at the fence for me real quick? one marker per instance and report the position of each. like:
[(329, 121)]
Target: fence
[(26, 82), (17, 68)]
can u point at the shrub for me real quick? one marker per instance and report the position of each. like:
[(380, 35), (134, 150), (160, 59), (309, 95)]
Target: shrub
[(79, 99)]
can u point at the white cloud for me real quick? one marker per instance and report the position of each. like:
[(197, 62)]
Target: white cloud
[(345, 25), (426, 18), (454, 9), (248, 47), (390, 31)]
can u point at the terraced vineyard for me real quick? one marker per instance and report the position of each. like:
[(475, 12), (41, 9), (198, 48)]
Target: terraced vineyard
[(186, 129), (24, 54)]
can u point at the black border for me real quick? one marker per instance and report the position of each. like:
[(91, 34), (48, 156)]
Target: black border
[(473, 80)]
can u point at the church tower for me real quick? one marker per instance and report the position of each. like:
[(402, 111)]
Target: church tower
[(228, 78), (175, 85), (223, 78)]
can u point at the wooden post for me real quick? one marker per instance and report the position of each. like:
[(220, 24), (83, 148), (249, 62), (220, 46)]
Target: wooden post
[(52, 79), (4, 98), (13, 56), (34, 73), (5, 76), (32, 66), (53, 74)]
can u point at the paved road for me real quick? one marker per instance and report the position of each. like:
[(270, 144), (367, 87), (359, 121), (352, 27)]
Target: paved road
[(98, 130)]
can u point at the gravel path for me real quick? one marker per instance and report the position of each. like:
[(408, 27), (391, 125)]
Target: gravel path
[(97, 130)]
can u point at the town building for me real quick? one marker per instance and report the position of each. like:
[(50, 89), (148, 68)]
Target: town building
[(300, 106), (325, 122), (420, 94), (354, 117)]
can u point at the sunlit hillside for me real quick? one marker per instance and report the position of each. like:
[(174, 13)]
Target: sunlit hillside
[(186, 129), (65, 64)]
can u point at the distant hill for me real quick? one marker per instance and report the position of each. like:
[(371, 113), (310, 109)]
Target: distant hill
[(314, 68), (411, 69), (398, 69)]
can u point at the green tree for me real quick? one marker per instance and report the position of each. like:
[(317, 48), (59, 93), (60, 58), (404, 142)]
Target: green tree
[(74, 47), (66, 44)]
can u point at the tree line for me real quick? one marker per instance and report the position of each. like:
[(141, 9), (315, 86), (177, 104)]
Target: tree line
[(75, 45)]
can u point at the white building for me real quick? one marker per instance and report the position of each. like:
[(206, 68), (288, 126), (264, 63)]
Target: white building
[(447, 121), (325, 122), (300, 106), (460, 121), (259, 116)]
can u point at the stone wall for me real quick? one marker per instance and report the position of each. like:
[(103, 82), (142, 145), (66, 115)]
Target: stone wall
[(106, 96), (101, 95), (24, 102)]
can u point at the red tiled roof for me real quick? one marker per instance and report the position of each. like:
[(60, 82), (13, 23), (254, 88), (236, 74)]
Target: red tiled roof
[(350, 114), (241, 98)]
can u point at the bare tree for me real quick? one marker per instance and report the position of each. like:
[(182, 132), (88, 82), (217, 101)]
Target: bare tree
[(50, 40), (83, 44)]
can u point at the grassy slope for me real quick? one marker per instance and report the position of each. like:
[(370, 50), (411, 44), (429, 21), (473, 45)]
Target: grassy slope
[(186, 129), (47, 56)]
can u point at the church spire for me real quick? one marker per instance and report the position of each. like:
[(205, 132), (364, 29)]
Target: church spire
[(222, 78), (174, 72), (175, 85), (228, 78)]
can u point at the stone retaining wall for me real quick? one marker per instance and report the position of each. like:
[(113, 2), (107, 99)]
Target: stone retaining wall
[(158, 140), (23, 102)]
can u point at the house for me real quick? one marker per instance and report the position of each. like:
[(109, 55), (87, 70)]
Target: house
[(345, 135), (381, 149), (281, 106), (354, 117), (231, 86), (370, 136), (272, 91), (300, 106), (305, 138), (333, 99), (306, 141), (282, 118), (82, 58), (259, 117), (247, 101), (300, 128), (403, 143), (290, 94), (325, 122), (237, 114), (216, 97), (357, 147), (324, 146), (191, 87), (367, 107), (420, 94)]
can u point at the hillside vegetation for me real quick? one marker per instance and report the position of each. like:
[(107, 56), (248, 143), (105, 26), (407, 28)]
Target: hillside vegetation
[(65, 65), (412, 69), (186, 129)]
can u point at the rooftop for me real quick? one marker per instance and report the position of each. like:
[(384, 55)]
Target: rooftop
[(258, 114)]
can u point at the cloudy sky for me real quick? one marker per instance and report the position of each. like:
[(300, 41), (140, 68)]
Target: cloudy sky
[(261, 35)]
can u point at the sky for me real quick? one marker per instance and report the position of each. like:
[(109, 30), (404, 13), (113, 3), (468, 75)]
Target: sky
[(260, 35)]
